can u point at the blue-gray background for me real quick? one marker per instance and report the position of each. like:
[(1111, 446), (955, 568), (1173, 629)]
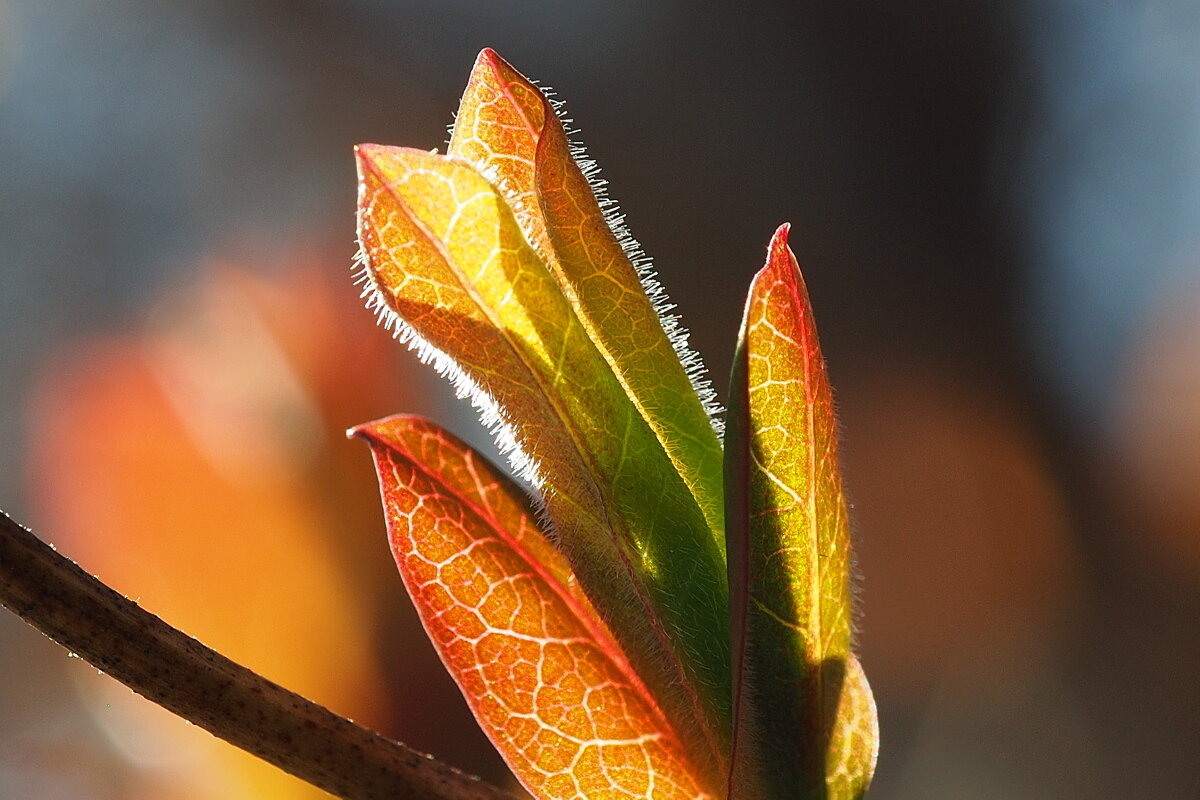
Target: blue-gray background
[(998, 203)]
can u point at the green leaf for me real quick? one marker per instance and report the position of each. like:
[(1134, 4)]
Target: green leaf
[(509, 130), (804, 718)]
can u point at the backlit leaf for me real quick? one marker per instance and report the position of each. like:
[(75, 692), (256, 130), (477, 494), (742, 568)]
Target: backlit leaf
[(448, 263), (804, 718), (508, 129), (537, 666)]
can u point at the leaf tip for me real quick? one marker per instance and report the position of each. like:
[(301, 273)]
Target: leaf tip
[(488, 57), (779, 250), (492, 61), (370, 158), (382, 432), (364, 153), (492, 70), (781, 266), (365, 157), (367, 431)]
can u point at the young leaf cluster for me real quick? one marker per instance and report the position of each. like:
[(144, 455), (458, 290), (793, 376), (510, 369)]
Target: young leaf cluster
[(666, 617)]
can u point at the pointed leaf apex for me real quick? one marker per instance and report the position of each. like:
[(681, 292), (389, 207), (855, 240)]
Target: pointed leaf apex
[(365, 155), (779, 252), (490, 60), (379, 431), (781, 266), (491, 69), (488, 57), (379, 428), (367, 431)]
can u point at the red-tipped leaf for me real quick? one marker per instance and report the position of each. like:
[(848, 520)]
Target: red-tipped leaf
[(804, 719)]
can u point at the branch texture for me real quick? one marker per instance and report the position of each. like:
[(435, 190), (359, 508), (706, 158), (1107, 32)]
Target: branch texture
[(179, 673)]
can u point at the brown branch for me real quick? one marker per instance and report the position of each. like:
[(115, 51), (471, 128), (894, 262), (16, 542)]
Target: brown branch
[(176, 671)]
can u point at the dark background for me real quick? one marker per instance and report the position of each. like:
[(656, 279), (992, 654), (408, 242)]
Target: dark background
[(996, 207)]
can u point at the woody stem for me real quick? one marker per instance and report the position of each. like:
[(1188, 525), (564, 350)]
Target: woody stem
[(165, 665)]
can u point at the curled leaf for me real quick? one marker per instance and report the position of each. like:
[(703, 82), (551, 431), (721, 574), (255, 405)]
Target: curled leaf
[(804, 719), (539, 669)]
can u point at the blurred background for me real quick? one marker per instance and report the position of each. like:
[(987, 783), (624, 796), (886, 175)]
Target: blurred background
[(997, 208)]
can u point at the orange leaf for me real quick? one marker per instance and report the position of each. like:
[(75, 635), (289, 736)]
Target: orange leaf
[(542, 675), (804, 719)]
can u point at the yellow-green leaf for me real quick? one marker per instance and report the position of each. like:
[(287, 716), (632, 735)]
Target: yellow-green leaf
[(508, 129), (804, 718), (445, 257)]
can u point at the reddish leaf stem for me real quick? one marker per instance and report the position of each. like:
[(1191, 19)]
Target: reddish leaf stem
[(179, 673)]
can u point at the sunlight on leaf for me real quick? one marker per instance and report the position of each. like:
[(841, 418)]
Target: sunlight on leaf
[(537, 666), (448, 264), (789, 551), (506, 265), (510, 132)]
